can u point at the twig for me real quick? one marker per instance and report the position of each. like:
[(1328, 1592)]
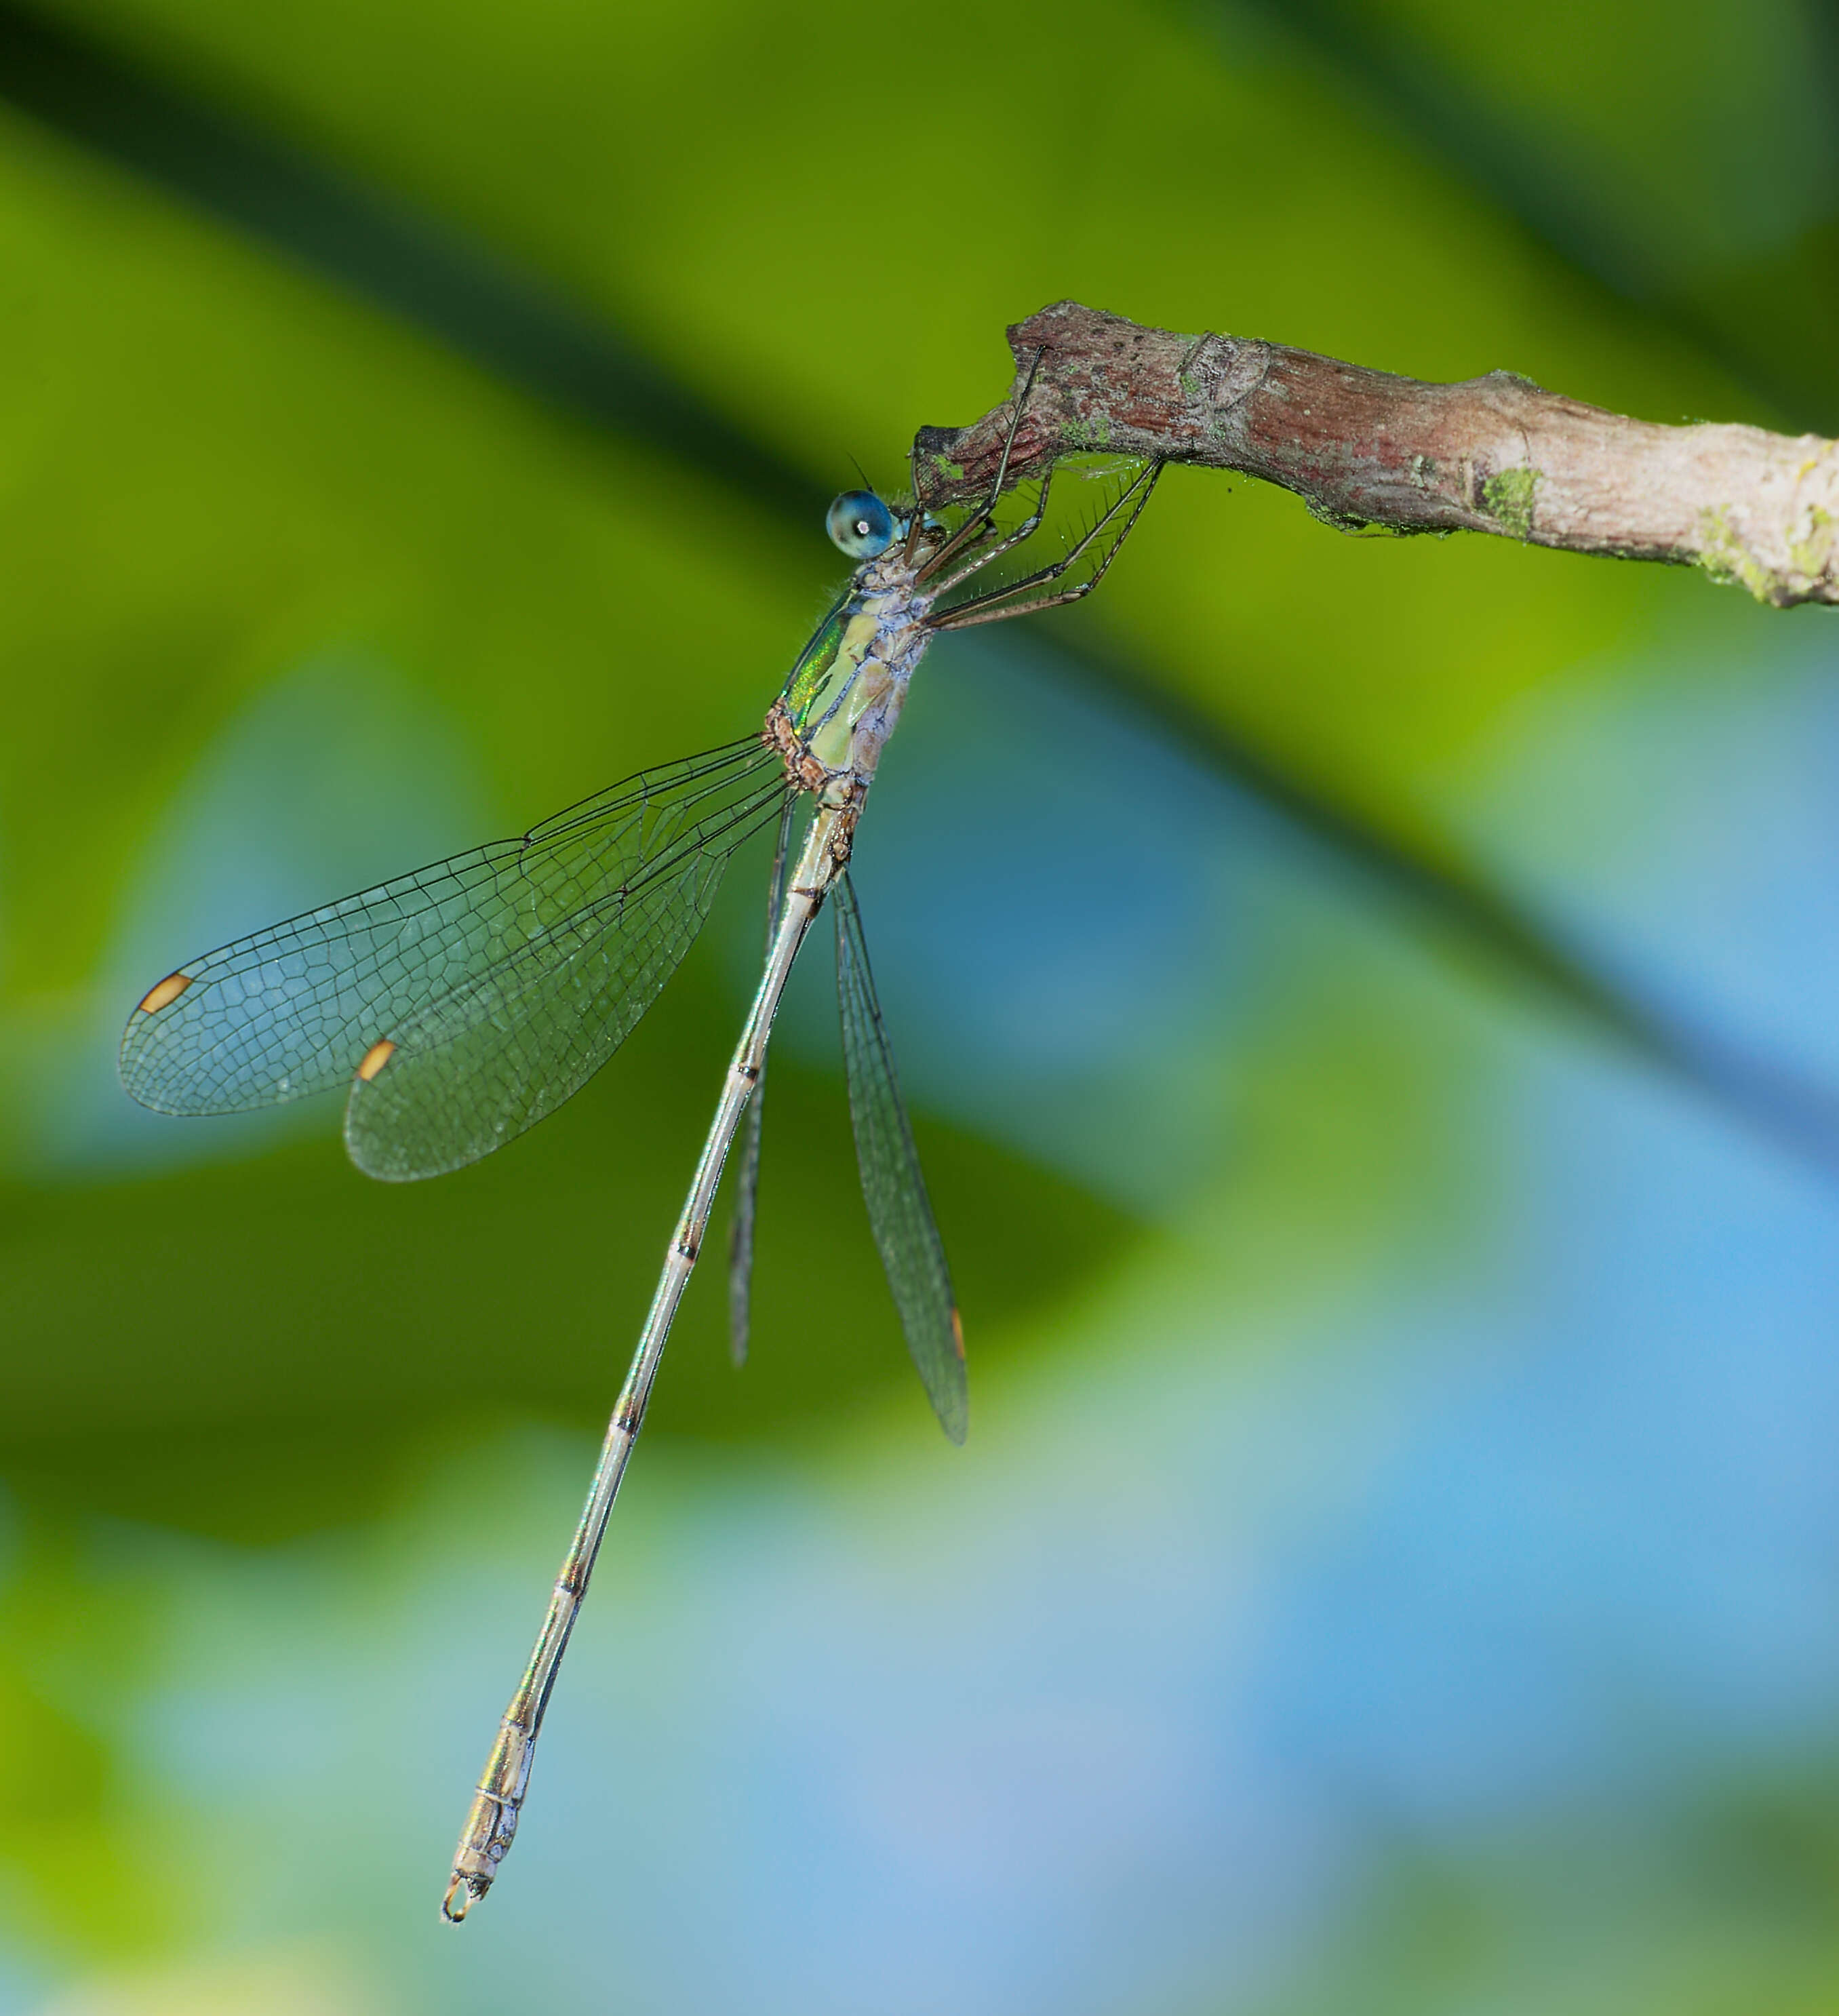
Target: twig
[(1364, 448)]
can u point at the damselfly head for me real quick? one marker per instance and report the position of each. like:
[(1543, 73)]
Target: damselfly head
[(861, 524)]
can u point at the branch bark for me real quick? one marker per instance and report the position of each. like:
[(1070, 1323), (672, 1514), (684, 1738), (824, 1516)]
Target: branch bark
[(1364, 448)]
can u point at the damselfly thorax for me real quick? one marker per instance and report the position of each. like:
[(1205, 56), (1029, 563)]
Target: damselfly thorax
[(844, 697)]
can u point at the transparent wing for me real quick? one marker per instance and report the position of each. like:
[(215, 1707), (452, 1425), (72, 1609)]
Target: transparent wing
[(746, 1192), (471, 997), (899, 1209)]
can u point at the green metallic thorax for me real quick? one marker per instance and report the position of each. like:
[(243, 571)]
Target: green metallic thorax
[(811, 676), (845, 692), (821, 693)]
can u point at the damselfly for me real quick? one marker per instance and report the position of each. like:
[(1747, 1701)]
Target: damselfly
[(461, 1003)]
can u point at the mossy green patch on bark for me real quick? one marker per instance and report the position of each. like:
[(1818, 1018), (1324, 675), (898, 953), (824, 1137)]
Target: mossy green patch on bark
[(1507, 496), (1725, 557), (1812, 554), (944, 477)]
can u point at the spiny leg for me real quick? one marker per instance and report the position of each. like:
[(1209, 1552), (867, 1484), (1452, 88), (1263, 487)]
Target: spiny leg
[(1141, 484), (978, 523), (989, 608), (982, 555)]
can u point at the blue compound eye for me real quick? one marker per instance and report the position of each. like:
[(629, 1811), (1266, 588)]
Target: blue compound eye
[(861, 524)]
